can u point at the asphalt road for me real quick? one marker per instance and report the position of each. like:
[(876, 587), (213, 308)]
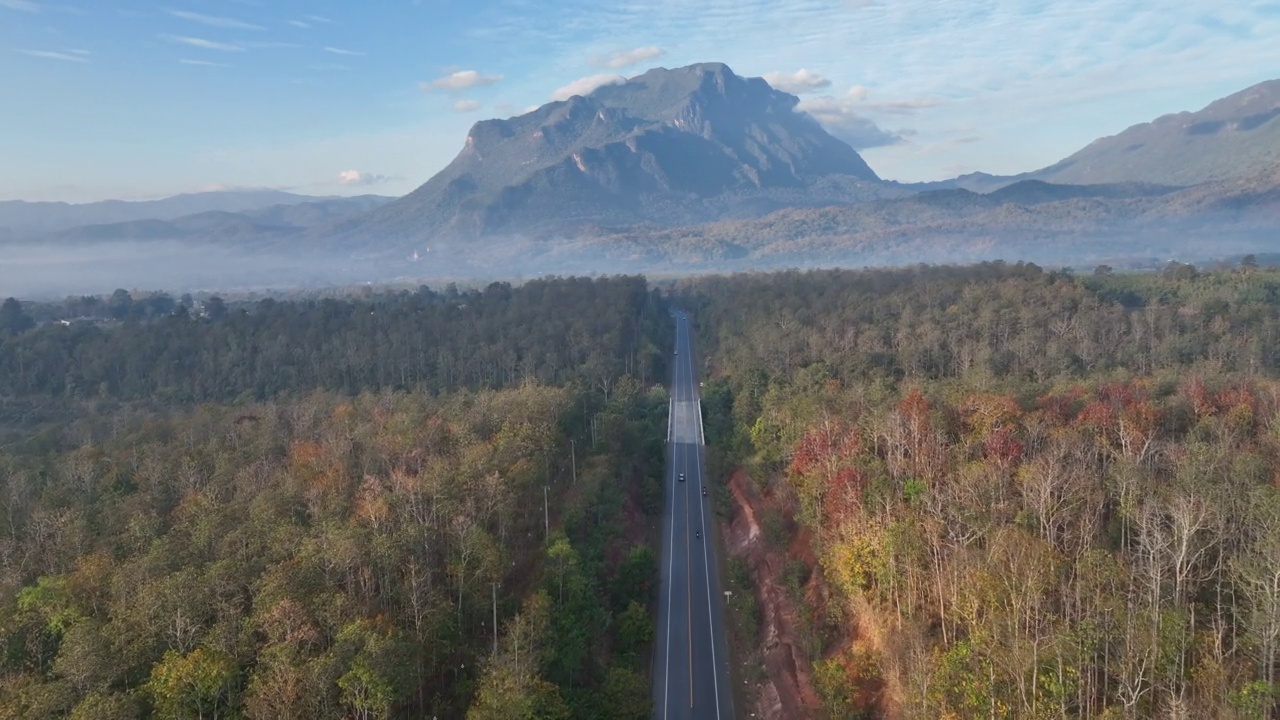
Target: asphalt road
[(691, 663)]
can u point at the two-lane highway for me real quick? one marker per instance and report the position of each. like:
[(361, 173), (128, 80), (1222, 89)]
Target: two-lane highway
[(691, 664)]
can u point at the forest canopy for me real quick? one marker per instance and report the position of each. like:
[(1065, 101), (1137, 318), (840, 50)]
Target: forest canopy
[(318, 508), (1030, 494)]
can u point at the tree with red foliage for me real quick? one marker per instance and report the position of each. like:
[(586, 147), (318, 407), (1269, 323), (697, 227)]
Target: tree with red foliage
[(1002, 447)]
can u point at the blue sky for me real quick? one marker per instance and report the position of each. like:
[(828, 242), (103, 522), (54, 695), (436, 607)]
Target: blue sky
[(135, 99)]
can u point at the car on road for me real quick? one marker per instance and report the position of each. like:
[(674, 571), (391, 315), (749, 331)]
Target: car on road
[(704, 491), (697, 534), (681, 477)]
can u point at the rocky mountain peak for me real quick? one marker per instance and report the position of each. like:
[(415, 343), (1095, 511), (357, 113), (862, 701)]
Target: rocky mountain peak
[(670, 145)]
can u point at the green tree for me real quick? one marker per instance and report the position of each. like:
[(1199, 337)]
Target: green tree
[(199, 684), (624, 695), (13, 319), (106, 706), (635, 630)]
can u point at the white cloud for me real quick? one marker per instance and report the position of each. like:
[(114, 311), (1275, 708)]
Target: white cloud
[(840, 119), (299, 24), (355, 178), (461, 80), (319, 19), (202, 43), (213, 21), (340, 51), (625, 58), (586, 85), (23, 5), (202, 63), (860, 93), (464, 106), (797, 83), (69, 56)]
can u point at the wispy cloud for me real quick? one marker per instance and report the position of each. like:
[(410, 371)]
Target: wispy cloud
[(797, 83), (213, 20), (357, 178), (860, 94), (465, 106), (23, 5), (341, 51), (67, 56), (320, 19), (902, 107), (202, 43), (627, 58), (299, 24), (202, 63), (586, 85), (460, 80)]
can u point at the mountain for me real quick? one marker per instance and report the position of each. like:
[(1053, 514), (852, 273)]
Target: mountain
[(1236, 136), (253, 225), (18, 217), (672, 145)]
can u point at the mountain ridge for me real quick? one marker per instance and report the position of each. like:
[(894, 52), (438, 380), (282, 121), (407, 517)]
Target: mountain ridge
[(262, 224), (21, 217), (1234, 136)]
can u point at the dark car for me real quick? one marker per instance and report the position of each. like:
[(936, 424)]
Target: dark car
[(704, 491), (681, 477)]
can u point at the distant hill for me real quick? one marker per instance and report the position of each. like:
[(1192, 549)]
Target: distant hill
[(256, 225), (672, 145), (1236, 136), (1024, 220), (1036, 192), (19, 218)]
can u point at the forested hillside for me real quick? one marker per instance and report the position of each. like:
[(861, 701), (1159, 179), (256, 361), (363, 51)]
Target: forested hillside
[(1027, 494), (317, 509)]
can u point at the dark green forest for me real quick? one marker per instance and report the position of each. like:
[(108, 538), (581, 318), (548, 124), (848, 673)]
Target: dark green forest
[(317, 508), (1029, 494)]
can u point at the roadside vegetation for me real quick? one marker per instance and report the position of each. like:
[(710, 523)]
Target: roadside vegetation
[(1029, 494)]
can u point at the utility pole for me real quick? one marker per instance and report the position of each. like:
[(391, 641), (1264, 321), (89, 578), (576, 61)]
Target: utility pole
[(495, 620), (546, 513), (573, 455)]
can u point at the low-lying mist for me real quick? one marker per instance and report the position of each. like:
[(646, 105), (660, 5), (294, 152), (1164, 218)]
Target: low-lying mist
[(42, 272)]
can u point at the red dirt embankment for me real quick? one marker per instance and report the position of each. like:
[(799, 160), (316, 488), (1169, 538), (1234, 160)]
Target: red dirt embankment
[(787, 693)]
